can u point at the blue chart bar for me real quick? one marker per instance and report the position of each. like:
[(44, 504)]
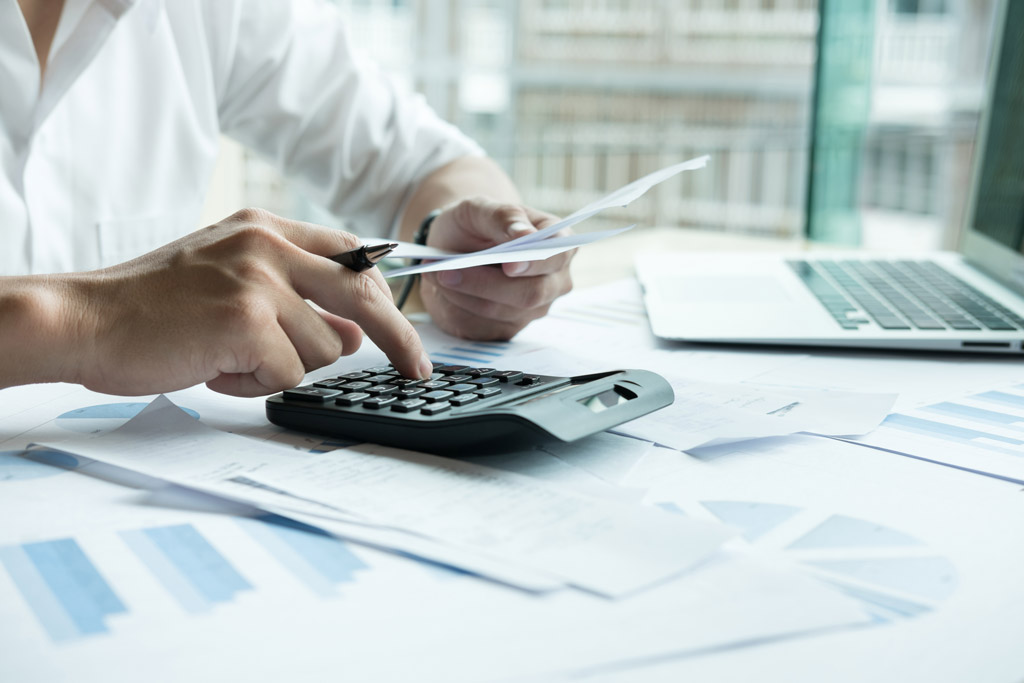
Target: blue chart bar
[(1002, 398), (320, 561), (68, 595), (473, 353), (978, 415), (187, 565), (939, 430)]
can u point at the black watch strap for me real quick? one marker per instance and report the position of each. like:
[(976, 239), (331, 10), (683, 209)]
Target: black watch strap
[(419, 238)]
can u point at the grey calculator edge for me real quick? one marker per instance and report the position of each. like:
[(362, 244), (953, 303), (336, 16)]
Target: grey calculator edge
[(555, 408)]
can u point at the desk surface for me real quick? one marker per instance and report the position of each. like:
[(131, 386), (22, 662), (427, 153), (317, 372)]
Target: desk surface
[(945, 545)]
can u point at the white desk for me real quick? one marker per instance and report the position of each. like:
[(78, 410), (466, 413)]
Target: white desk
[(950, 541)]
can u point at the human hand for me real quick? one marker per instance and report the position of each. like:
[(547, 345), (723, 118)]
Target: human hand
[(225, 306), (486, 302)]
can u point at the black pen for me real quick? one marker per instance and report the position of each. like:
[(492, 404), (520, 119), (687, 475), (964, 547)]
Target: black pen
[(364, 257)]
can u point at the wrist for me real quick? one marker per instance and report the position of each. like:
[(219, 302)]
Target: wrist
[(42, 339)]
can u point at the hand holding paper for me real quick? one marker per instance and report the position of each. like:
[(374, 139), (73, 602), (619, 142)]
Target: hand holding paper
[(540, 244)]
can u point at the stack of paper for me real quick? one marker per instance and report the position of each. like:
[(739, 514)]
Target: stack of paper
[(507, 526)]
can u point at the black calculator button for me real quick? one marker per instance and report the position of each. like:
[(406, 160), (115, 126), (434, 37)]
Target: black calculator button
[(379, 379), (352, 399), (330, 383), (437, 364), (435, 396), (434, 384), (435, 408), (461, 388), (451, 369), (463, 399), (313, 393), (436, 375), (380, 370), (405, 382), (458, 378), (355, 386), (378, 402), (409, 405), (483, 381), (411, 392), (480, 372), (528, 380), (354, 375), (508, 375), (382, 390), (487, 391)]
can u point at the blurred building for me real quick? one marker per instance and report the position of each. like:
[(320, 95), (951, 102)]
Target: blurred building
[(578, 97)]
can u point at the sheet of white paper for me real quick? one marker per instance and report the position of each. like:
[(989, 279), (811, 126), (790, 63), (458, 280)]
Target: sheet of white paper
[(187, 453), (931, 550), (596, 545), (531, 247), (534, 251), (593, 544), (981, 432), (706, 414)]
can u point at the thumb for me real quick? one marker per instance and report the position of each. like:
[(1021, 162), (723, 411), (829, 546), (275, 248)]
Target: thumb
[(494, 222)]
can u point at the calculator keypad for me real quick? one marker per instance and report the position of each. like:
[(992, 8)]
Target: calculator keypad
[(382, 390)]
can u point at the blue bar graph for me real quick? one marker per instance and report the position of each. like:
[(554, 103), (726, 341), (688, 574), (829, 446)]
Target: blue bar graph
[(939, 430), (62, 587), (992, 417), (1002, 398), (191, 569), (472, 353), (319, 560)]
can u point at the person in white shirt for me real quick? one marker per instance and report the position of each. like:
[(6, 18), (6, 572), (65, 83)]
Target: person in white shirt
[(109, 125)]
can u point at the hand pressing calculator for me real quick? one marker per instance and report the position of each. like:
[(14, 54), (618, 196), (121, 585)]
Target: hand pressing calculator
[(467, 411)]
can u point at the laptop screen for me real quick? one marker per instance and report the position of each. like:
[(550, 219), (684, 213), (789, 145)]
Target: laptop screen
[(994, 239), (999, 200)]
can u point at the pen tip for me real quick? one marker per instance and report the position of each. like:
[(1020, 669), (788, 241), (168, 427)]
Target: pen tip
[(379, 251)]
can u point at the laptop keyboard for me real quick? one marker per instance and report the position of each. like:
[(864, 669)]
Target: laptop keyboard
[(901, 295)]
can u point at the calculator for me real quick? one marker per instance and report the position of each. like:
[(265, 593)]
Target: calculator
[(465, 411)]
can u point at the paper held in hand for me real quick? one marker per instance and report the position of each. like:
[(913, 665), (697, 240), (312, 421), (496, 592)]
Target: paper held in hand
[(542, 244)]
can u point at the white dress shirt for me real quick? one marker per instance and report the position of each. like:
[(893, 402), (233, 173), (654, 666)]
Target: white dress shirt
[(112, 156)]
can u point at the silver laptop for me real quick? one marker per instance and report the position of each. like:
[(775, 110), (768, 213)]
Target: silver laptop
[(969, 300)]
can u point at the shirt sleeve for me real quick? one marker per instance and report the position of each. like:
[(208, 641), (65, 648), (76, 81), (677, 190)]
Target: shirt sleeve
[(294, 90)]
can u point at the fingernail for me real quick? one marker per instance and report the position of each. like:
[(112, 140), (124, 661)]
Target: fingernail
[(517, 268), (426, 367), (519, 229), (449, 278)]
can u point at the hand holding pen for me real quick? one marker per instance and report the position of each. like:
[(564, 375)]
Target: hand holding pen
[(364, 257)]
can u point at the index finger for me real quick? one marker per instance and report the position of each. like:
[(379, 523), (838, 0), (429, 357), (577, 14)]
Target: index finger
[(316, 239), (365, 299)]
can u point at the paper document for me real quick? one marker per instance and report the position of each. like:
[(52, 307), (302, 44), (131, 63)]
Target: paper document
[(706, 414), (536, 245), (597, 545), (534, 251), (981, 432)]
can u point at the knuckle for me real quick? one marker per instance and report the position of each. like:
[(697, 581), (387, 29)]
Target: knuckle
[(508, 213), (292, 376), (256, 238), (253, 215), (366, 291), (253, 270), (348, 240)]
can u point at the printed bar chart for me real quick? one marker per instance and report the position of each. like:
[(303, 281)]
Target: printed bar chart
[(981, 433), (319, 561), (191, 569), (62, 587), (482, 354)]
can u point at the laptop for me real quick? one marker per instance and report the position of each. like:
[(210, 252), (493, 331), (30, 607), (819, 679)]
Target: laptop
[(968, 300)]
